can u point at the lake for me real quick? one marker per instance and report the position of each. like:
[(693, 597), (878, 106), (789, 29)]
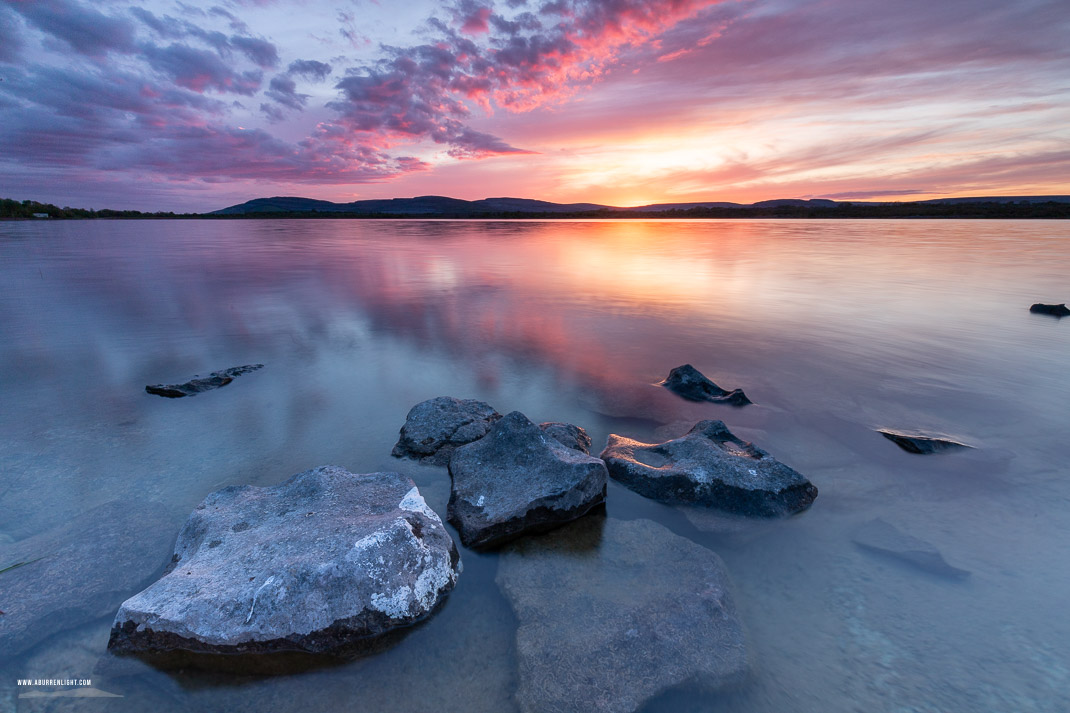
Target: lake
[(833, 328)]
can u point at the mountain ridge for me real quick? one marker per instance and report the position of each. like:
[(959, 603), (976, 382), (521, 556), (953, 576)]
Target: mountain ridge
[(444, 205)]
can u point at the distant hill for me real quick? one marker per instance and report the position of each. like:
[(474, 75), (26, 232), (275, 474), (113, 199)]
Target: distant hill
[(420, 205), (431, 206)]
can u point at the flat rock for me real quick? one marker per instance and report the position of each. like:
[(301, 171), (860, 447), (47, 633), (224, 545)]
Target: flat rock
[(1059, 310), (886, 539), (435, 427), (328, 561), (518, 480), (709, 466), (79, 571), (571, 436), (921, 445), (691, 384), (199, 384), (612, 613)]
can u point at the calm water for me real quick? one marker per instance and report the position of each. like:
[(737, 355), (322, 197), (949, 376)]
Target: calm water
[(832, 328)]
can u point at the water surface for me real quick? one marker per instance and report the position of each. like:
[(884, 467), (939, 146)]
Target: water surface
[(833, 328)]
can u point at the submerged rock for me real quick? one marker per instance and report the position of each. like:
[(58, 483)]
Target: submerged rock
[(690, 383), (883, 537), (608, 620), (571, 436), (433, 428), (921, 445), (516, 480), (327, 561), (1055, 310), (198, 384), (79, 571), (711, 467)]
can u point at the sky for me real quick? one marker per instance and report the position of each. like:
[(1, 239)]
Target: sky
[(193, 106)]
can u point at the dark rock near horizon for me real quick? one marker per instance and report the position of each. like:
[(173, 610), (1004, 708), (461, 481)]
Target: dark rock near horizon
[(709, 466), (569, 435), (517, 480), (1059, 310), (692, 384), (435, 427), (79, 571), (920, 445), (613, 613), (199, 384), (328, 561), (884, 538)]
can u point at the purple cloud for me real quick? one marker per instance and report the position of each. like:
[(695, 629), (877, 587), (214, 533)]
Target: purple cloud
[(273, 113), (429, 90), (199, 70), (261, 52), (235, 24), (85, 30), (309, 69), (10, 41), (284, 90), (166, 27)]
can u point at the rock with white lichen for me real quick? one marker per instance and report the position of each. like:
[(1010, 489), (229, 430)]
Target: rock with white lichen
[(328, 561), (434, 428), (518, 479), (709, 467)]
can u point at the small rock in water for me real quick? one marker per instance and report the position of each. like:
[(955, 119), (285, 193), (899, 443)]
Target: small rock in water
[(711, 467), (571, 436), (435, 427), (690, 383), (79, 571), (1059, 310), (516, 480), (883, 537), (608, 620), (921, 445), (328, 561), (197, 385)]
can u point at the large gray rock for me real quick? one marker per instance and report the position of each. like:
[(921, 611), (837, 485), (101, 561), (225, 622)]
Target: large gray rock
[(326, 561), (200, 384), (711, 467), (692, 384), (517, 479), (433, 428), (609, 619), (886, 539), (79, 571)]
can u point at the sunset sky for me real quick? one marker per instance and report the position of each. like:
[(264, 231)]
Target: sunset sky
[(166, 105)]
